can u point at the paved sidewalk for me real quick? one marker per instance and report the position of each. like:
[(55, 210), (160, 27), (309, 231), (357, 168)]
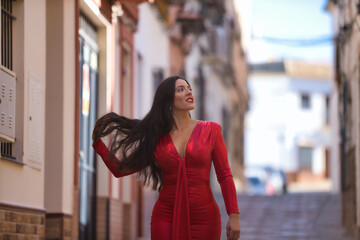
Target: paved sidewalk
[(298, 216)]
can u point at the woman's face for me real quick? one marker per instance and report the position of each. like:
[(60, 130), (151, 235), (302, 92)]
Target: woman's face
[(183, 99)]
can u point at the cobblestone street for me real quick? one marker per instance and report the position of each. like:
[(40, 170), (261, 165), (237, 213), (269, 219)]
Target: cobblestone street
[(300, 216)]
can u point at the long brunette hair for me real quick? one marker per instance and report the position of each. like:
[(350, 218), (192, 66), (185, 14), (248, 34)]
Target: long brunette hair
[(136, 139)]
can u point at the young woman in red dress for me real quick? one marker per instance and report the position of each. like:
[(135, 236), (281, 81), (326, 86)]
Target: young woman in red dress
[(174, 153)]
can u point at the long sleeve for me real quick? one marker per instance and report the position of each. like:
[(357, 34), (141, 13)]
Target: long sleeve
[(223, 172), (111, 161)]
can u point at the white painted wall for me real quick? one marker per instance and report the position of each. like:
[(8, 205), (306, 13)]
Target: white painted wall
[(276, 125), (192, 64), (217, 97), (152, 43)]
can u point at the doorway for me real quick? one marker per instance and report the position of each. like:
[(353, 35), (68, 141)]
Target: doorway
[(88, 112)]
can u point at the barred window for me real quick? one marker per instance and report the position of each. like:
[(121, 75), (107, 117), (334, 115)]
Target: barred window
[(6, 149), (6, 34)]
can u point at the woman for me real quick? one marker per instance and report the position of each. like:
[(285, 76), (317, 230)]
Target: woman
[(174, 152)]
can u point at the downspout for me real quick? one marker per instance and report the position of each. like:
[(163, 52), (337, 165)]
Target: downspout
[(201, 93), (107, 219), (343, 134)]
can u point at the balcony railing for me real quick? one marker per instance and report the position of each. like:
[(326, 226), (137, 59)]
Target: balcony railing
[(219, 39)]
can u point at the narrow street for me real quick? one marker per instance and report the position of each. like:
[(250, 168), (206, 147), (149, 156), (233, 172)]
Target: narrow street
[(301, 216)]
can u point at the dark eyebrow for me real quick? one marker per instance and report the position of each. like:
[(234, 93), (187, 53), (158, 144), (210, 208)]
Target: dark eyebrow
[(182, 86)]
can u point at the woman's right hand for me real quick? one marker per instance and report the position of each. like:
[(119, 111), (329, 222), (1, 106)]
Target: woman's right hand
[(94, 134), (233, 227)]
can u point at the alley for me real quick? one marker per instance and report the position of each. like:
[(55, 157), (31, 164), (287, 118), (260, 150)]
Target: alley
[(302, 216)]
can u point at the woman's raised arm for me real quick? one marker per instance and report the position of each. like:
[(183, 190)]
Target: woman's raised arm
[(110, 160)]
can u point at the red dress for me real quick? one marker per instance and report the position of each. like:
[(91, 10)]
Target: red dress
[(186, 208)]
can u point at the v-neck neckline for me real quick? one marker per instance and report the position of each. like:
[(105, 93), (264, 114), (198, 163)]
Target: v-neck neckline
[(173, 144)]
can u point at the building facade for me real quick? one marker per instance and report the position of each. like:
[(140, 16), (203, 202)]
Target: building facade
[(346, 79), (66, 64), (294, 98), (217, 67), (22, 164), (152, 66)]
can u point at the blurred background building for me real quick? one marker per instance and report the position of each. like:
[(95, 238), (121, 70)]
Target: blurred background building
[(294, 98)]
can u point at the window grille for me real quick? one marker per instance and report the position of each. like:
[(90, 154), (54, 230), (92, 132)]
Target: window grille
[(6, 54), (6, 34), (6, 150)]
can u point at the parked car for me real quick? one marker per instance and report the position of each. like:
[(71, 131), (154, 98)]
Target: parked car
[(265, 180)]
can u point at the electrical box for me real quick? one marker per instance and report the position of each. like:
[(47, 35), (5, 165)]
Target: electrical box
[(7, 105)]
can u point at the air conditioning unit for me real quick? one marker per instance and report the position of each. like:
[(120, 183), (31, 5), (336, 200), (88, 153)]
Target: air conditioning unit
[(7, 105)]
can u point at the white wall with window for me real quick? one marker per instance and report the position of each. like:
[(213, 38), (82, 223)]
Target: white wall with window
[(152, 57), (287, 123), (151, 67)]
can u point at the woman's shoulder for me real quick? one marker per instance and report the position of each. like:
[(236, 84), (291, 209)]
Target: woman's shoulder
[(209, 130), (209, 124)]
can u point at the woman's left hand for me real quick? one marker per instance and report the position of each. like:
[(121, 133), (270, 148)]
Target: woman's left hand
[(233, 227)]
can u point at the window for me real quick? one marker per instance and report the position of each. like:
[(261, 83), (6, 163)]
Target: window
[(305, 101), (305, 158), (327, 109), (158, 76), (6, 149), (126, 78), (226, 123), (6, 33)]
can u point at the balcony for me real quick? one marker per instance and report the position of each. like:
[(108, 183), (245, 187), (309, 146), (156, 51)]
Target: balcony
[(218, 43)]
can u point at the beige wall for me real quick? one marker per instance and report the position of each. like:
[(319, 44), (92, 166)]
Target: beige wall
[(176, 58), (24, 184), (60, 107), (69, 106), (105, 66), (54, 109)]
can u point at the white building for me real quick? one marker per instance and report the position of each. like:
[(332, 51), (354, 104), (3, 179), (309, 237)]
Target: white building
[(152, 57), (151, 67), (217, 68), (287, 125)]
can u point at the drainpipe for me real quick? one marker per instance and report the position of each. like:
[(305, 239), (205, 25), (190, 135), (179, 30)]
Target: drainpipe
[(201, 93), (343, 134), (107, 218)]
